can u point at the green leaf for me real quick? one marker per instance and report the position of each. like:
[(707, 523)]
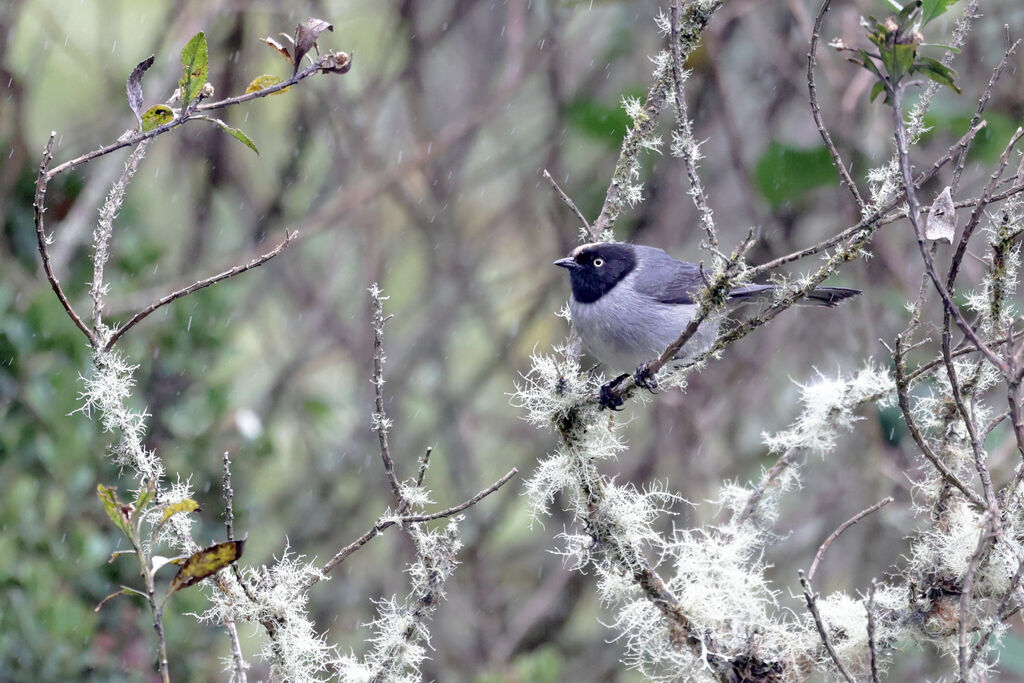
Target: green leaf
[(934, 8), (156, 116), (144, 496), (204, 563), (234, 132), (937, 71), (263, 82), (876, 89), (194, 60), (187, 505), (904, 54), (115, 510), (785, 173)]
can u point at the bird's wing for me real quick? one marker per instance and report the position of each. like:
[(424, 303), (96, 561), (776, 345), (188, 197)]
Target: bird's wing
[(665, 279)]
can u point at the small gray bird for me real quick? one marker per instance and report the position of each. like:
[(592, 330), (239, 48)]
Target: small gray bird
[(629, 302)]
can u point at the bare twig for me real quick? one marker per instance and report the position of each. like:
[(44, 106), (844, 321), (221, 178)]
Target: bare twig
[(424, 464), (160, 130), (812, 89), (899, 364), (982, 102), (385, 522), (913, 214), (568, 202), (843, 527), (881, 216), (39, 205), (196, 286), (812, 606), (237, 662), (381, 423)]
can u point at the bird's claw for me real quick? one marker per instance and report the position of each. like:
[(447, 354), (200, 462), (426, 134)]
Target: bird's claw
[(608, 398), (645, 378)]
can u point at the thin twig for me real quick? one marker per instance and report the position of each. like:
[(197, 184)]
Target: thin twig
[(160, 130), (381, 422), (39, 205), (238, 663), (984, 537), (812, 89), (196, 286), (385, 522), (872, 653), (105, 230), (982, 103), (843, 527), (812, 605), (880, 216), (684, 131), (913, 214), (424, 464), (697, 20), (568, 202), (899, 364), (1001, 614), (784, 461)]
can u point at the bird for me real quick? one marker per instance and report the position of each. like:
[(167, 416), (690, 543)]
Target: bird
[(630, 302)]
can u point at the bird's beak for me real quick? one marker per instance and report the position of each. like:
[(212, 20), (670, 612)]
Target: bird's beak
[(567, 262)]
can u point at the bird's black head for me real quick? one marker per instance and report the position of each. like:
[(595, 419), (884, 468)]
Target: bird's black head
[(594, 269)]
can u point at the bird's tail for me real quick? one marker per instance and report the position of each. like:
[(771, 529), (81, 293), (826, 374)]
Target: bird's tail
[(822, 296)]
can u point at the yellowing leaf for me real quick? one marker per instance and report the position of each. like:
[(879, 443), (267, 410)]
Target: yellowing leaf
[(187, 505), (204, 563), (263, 82), (156, 116), (113, 507)]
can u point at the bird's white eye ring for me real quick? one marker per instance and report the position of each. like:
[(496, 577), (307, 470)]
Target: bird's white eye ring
[(598, 262)]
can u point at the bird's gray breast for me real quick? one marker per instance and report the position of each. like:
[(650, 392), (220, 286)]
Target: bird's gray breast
[(625, 327)]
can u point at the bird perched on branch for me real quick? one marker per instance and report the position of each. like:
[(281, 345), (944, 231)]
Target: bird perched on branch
[(630, 302)]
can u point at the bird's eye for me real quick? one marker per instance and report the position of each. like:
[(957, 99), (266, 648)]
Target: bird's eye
[(598, 262)]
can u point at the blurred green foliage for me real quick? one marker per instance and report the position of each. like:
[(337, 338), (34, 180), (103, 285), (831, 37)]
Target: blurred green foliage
[(786, 173)]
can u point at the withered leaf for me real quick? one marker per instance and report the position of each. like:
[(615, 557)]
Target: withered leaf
[(336, 63), (941, 223), (281, 49), (306, 34), (134, 86), (204, 563)]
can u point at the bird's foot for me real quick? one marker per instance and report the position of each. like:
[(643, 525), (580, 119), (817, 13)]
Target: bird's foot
[(608, 398), (645, 378)]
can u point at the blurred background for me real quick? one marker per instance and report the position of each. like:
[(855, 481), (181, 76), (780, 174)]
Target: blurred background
[(421, 170)]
